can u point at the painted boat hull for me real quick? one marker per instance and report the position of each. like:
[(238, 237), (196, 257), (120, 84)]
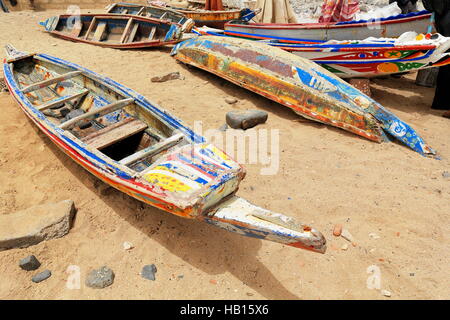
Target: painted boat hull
[(223, 209), (299, 84), (366, 58), (386, 28), (62, 26)]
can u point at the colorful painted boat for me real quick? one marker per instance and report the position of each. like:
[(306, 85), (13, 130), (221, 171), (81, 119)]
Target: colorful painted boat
[(135, 146), (391, 27), (367, 58), (150, 11), (114, 31), (299, 84)]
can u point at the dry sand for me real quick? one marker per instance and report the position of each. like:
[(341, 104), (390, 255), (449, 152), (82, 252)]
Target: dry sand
[(326, 176)]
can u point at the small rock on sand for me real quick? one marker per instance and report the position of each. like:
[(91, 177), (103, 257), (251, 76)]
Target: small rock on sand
[(231, 100), (246, 119), (100, 278), (44, 275), (347, 235), (127, 245), (36, 224), (446, 174), (337, 230), (344, 247), (386, 293), (148, 272), (29, 263)]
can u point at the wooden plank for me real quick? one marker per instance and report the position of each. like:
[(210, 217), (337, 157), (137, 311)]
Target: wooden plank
[(99, 34), (76, 30), (152, 33), (91, 26), (97, 112), (139, 13), (133, 32), (126, 30), (109, 137), (61, 100), (152, 150), (46, 83)]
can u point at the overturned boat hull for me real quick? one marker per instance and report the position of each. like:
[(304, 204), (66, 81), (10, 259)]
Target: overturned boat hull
[(299, 84), (114, 31), (140, 149)]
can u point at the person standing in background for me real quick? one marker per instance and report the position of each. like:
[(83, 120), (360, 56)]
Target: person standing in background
[(407, 6), (441, 10)]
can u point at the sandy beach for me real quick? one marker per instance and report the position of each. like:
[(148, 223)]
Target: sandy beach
[(326, 176)]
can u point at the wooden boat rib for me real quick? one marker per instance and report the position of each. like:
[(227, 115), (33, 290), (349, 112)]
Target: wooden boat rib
[(299, 84), (114, 31), (140, 149), (150, 11), (391, 27), (363, 58)]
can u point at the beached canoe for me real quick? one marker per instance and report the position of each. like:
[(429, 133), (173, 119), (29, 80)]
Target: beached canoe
[(150, 11), (299, 84), (114, 31), (135, 146), (367, 58), (391, 27)]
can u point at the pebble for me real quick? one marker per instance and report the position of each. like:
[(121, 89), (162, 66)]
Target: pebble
[(44, 275), (446, 174), (246, 119), (224, 127), (386, 293), (100, 278), (127, 245), (347, 235), (337, 230), (231, 100), (29, 263), (148, 272), (344, 247)]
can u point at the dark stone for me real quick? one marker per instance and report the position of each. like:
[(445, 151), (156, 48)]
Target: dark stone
[(44, 275), (246, 119), (29, 263), (100, 278), (148, 272)]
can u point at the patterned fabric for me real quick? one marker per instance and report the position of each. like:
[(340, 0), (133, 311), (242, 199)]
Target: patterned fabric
[(338, 10)]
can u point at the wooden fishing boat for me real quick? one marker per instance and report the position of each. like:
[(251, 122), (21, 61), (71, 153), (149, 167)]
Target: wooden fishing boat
[(299, 84), (150, 11), (391, 27), (365, 58), (114, 31), (135, 146)]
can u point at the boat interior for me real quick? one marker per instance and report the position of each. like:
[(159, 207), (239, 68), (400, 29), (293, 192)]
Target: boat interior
[(112, 29), (99, 116), (148, 11)]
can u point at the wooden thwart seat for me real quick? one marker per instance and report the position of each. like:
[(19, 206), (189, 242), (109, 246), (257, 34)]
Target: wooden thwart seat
[(48, 82), (100, 111), (114, 133), (152, 150), (62, 100)]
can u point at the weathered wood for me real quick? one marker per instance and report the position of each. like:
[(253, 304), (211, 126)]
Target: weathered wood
[(100, 111), (91, 26), (126, 31), (152, 150), (140, 11), (99, 33), (109, 137), (46, 83), (61, 100), (152, 33), (76, 30), (133, 33)]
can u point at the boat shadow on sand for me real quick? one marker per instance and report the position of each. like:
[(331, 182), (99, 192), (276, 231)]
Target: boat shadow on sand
[(214, 252)]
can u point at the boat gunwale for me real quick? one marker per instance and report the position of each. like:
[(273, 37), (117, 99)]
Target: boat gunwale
[(324, 26)]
